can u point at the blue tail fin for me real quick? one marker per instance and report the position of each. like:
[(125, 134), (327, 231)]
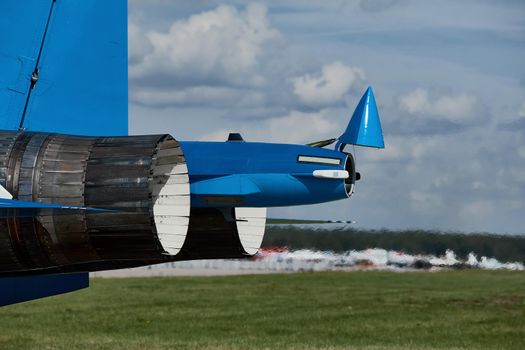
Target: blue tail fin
[(63, 66), (364, 128)]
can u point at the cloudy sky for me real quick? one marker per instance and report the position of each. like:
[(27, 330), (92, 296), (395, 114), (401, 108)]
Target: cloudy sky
[(449, 78)]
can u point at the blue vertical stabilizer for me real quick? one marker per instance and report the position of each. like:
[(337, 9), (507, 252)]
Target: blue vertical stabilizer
[(22, 28), (63, 66), (364, 128)]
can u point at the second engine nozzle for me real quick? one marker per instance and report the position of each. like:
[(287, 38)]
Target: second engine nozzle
[(142, 180)]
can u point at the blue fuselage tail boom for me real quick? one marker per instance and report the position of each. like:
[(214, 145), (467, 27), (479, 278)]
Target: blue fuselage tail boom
[(252, 174)]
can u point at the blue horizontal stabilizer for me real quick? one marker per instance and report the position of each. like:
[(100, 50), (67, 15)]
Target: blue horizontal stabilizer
[(364, 128), (16, 208), (18, 289)]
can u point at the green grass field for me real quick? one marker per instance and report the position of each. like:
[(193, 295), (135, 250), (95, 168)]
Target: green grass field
[(358, 310)]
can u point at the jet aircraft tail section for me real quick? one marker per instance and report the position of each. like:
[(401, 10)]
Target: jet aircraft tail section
[(63, 101)]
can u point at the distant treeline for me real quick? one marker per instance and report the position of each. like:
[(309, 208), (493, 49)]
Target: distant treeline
[(502, 247)]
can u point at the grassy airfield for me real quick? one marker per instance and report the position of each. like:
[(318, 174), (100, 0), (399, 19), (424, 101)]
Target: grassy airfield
[(358, 310)]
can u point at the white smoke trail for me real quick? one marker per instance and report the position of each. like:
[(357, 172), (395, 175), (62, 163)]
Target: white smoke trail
[(380, 259)]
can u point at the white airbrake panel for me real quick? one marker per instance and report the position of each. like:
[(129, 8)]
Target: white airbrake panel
[(251, 224)]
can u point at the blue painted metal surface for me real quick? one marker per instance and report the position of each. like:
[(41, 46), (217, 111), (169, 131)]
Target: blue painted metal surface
[(230, 185), (14, 208), (263, 174), (19, 289), (227, 158), (14, 203), (22, 26), (364, 128), (82, 85)]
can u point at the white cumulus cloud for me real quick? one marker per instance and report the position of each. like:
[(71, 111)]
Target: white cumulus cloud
[(216, 96), (521, 111), (329, 87), (521, 152), (477, 210), (217, 47), (138, 44), (296, 127), (461, 108)]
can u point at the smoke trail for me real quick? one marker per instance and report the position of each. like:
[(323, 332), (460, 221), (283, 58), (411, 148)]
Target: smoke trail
[(281, 259)]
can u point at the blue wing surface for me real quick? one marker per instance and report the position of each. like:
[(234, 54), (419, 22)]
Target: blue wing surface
[(14, 208)]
